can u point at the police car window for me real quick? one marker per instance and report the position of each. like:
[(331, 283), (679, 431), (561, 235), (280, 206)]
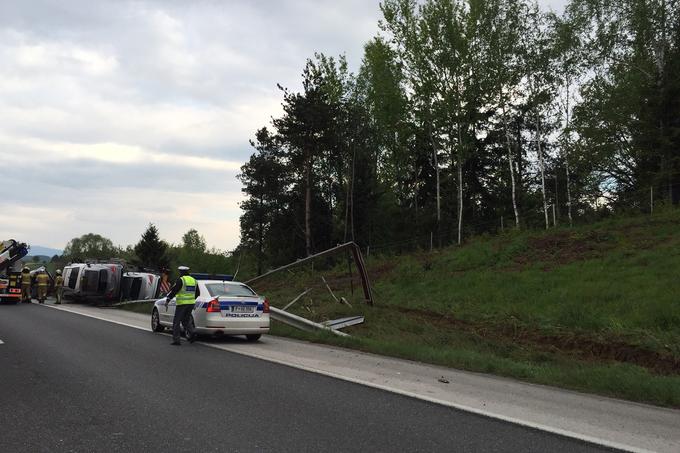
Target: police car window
[(222, 289)]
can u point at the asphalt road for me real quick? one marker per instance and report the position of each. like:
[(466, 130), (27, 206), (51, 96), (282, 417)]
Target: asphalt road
[(72, 383)]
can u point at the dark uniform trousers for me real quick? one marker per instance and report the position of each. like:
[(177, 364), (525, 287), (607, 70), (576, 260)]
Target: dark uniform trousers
[(183, 316)]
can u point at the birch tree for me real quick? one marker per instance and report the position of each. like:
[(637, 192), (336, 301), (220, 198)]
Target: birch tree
[(537, 61), (403, 20), (569, 71), (504, 51)]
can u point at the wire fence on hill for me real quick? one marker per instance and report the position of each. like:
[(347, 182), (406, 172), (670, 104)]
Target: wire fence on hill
[(645, 201)]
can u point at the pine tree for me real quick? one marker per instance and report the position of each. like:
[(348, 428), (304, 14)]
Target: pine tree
[(151, 251)]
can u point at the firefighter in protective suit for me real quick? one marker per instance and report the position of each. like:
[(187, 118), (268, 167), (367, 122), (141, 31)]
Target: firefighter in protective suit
[(26, 285), (43, 281), (59, 287)]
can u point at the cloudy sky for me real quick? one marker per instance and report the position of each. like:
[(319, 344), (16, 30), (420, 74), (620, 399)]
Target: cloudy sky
[(115, 114)]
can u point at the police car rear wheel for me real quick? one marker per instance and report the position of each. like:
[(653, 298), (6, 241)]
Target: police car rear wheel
[(253, 337), (156, 325)]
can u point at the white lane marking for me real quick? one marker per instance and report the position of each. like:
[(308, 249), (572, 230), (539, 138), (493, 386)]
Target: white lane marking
[(98, 317), (461, 407), (2, 342)]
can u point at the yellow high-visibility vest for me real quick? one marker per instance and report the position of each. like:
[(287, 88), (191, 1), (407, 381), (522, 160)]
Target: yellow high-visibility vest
[(187, 295)]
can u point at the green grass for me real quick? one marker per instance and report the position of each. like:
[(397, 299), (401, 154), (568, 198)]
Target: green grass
[(615, 380), (594, 308)]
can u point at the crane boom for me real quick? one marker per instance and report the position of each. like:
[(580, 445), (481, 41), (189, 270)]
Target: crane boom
[(11, 251)]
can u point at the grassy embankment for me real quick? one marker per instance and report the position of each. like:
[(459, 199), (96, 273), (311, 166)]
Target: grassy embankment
[(593, 308)]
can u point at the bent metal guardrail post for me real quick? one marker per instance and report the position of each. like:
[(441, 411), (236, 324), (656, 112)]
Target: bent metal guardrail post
[(292, 302), (358, 259), (301, 323)]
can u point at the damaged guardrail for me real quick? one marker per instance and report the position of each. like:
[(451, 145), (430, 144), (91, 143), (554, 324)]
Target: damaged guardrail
[(337, 324), (301, 323), (358, 260), (128, 302)]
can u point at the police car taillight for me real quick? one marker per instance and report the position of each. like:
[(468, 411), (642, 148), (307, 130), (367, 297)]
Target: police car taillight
[(265, 306), (214, 306)]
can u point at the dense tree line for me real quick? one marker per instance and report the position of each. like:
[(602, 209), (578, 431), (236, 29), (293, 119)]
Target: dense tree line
[(151, 253), (466, 114)]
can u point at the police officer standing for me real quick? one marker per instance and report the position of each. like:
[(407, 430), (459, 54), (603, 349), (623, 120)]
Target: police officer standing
[(186, 290), (25, 285), (59, 287)]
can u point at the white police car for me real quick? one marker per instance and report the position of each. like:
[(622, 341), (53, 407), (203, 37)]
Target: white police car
[(223, 308)]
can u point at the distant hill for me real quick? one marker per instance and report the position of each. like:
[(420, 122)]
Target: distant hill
[(37, 250), (40, 258)]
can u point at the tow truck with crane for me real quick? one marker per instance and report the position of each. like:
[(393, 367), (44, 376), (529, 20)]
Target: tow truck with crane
[(11, 252)]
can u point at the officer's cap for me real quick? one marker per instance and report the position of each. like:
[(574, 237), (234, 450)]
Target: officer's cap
[(183, 268)]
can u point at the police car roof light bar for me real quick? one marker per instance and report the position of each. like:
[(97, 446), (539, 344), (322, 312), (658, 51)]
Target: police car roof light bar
[(205, 276)]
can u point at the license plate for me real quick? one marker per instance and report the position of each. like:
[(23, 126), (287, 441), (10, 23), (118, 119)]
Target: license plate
[(242, 309)]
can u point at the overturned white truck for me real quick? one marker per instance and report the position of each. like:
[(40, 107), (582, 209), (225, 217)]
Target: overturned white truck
[(139, 286), (93, 281), (108, 283)]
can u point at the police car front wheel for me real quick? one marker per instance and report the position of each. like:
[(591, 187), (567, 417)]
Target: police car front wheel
[(156, 325)]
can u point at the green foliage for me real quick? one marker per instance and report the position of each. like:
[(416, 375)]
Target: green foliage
[(151, 251), (194, 253), (90, 246), (627, 124), (192, 240), (466, 112), (312, 180)]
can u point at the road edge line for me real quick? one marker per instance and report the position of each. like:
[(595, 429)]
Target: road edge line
[(461, 407)]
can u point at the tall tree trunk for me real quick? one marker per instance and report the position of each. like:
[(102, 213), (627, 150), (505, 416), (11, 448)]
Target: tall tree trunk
[(435, 162), (565, 151), (512, 169), (260, 240), (660, 58), (566, 165), (542, 167), (460, 201), (347, 199), (459, 161), (351, 192), (308, 206)]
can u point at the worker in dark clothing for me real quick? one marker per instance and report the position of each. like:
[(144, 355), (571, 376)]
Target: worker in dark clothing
[(186, 290)]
